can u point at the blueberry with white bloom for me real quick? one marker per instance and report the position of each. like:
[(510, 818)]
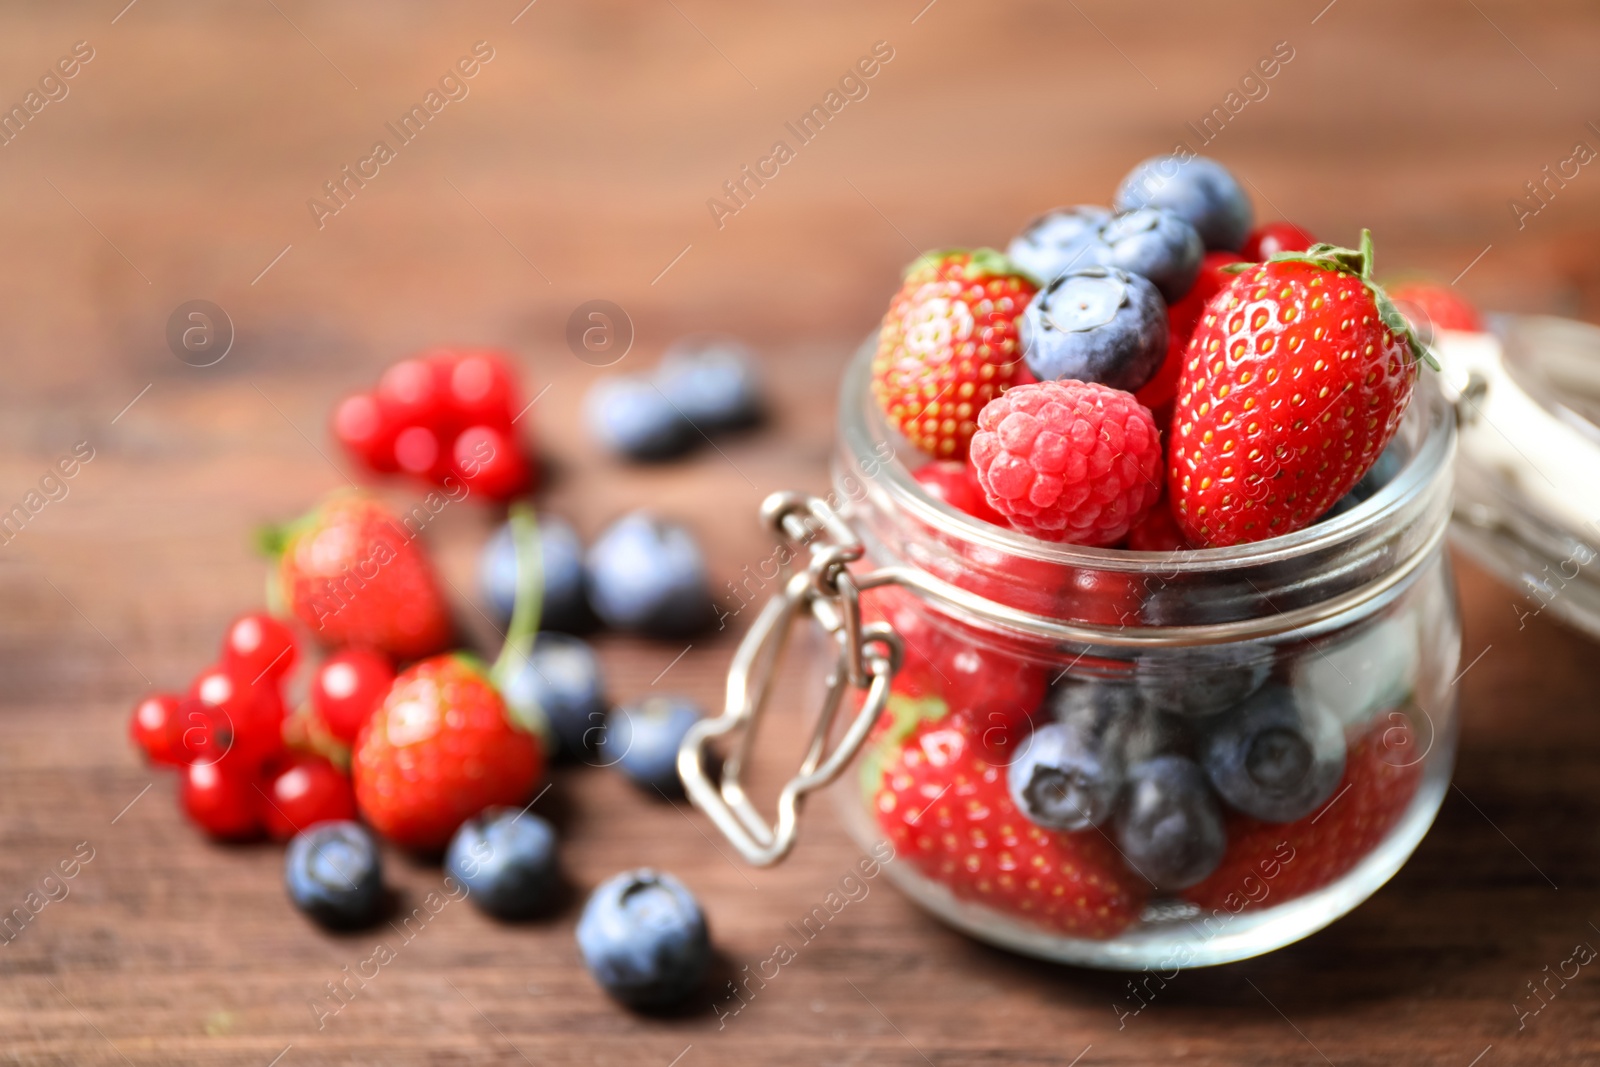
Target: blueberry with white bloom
[(1059, 241), (648, 575), (334, 874), (560, 680), (1199, 190), (633, 418), (565, 606), (643, 937), (506, 857), (1157, 245), (1098, 324), (712, 381), (645, 737)]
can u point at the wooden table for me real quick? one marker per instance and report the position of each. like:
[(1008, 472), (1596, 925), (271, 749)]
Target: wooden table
[(578, 166)]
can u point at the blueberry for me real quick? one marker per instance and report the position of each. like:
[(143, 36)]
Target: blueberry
[(710, 380), (506, 857), (1170, 828), (560, 680), (561, 561), (333, 874), (1068, 772), (1098, 324), (1203, 680), (631, 417), (1157, 245), (1199, 190), (643, 937), (645, 737), (1059, 241), (1275, 758), (648, 575)]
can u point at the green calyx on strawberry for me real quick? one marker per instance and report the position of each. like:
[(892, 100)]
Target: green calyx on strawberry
[(1294, 381), (949, 344), (1356, 261), (444, 745)]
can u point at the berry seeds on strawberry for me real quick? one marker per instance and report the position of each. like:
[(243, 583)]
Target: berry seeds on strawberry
[(1296, 378), (949, 345)]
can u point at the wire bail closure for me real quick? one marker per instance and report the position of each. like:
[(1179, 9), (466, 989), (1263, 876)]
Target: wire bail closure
[(868, 657)]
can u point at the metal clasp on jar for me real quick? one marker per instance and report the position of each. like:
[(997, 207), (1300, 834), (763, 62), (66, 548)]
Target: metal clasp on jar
[(867, 659)]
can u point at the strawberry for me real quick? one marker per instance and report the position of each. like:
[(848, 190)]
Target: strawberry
[(442, 747), (949, 345), (439, 751), (355, 576), (1291, 859), (947, 810), (1295, 380)]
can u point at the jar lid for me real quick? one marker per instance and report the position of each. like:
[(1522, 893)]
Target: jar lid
[(1527, 504)]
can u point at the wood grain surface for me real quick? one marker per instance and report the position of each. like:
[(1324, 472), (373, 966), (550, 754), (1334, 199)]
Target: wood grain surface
[(178, 165)]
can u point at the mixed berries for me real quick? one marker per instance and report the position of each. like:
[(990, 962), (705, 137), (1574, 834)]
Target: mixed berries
[(392, 735), (1162, 376), (1107, 795), (1265, 385)]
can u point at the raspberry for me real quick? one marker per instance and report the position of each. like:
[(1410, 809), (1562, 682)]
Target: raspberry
[(1068, 461)]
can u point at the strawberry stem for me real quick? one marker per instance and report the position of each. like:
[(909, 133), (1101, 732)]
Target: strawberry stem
[(529, 596)]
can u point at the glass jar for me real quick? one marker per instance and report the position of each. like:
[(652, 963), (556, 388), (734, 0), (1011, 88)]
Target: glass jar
[(1102, 757)]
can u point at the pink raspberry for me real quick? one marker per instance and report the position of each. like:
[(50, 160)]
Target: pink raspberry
[(1068, 461)]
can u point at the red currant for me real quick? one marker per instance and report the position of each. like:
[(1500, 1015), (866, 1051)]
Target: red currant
[(221, 799), (490, 462), (347, 689), (414, 392), (416, 451), (366, 431), (307, 791), (483, 388), (259, 647), (1270, 238), (229, 716), (157, 727)]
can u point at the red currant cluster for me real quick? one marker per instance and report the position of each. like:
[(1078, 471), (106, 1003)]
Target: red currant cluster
[(444, 415), (231, 737)]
